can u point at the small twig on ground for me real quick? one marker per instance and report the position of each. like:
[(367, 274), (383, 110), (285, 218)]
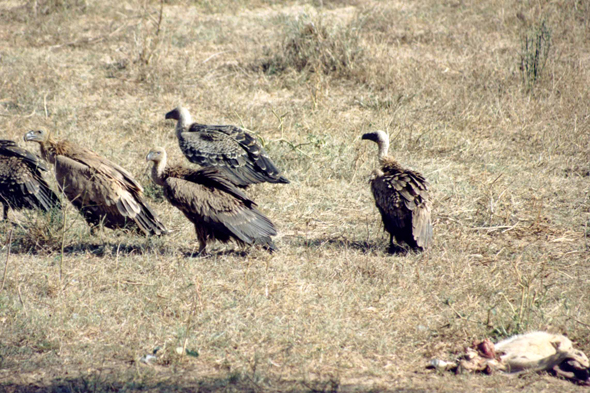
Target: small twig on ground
[(20, 298), (581, 323), (63, 241), (190, 316), (496, 228), (242, 126), (45, 106), (438, 170), (296, 147), (117, 267), (7, 257), (281, 124), (215, 55), (160, 18), (137, 283)]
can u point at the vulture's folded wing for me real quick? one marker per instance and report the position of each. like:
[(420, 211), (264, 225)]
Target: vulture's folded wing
[(401, 196), (22, 184), (214, 206), (104, 195), (104, 166)]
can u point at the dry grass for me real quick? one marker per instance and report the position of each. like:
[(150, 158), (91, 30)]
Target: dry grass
[(509, 168)]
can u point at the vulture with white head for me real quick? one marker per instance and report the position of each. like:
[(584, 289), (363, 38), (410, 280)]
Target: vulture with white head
[(102, 191), (217, 208), (21, 180), (234, 152), (401, 195)]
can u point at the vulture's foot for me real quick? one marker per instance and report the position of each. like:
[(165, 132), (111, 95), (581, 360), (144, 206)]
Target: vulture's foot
[(396, 249)]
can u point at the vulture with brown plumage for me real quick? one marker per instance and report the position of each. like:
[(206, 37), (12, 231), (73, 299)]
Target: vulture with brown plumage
[(102, 191), (401, 195), (21, 181), (234, 152), (217, 208)]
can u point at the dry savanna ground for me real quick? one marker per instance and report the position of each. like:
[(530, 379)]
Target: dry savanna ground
[(501, 128)]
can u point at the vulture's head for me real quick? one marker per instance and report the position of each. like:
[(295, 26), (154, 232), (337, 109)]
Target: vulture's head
[(378, 136), (182, 115), (36, 136), (381, 138), (156, 155), (178, 113)]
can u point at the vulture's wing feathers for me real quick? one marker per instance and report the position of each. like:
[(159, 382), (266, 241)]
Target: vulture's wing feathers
[(9, 148), (21, 181), (100, 164), (230, 149), (104, 192), (97, 197), (402, 199), (213, 178), (390, 204), (219, 208), (421, 226), (251, 146)]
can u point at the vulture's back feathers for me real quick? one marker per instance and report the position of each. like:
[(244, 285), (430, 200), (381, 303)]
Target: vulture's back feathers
[(103, 191), (234, 152)]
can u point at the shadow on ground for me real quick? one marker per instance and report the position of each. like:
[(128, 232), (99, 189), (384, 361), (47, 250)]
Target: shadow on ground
[(233, 382), (99, 249), (365, 247), (113, 249)]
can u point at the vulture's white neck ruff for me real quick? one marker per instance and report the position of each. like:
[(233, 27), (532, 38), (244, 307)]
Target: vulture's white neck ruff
[(184, 118), (158, 170), (383, 142)]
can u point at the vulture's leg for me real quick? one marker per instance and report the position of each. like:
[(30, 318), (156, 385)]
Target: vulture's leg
[(396, 248), (202, 241), (5, 208), (97, 232), (393, 248)]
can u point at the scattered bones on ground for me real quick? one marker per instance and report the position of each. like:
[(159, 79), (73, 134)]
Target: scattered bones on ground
[(530, 352)]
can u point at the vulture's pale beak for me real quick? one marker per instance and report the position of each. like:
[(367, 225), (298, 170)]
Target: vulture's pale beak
[(32, 136)]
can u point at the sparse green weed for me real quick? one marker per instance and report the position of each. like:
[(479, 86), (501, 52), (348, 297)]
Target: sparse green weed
[(536, 46)]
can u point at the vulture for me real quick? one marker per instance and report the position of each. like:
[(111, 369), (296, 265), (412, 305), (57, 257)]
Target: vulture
[(102, 191), (218, 209), (234, 152), (401, 195), (21, 181)]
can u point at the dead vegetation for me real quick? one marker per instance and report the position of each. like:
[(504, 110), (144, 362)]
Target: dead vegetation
[(312, 45), (331, 311)]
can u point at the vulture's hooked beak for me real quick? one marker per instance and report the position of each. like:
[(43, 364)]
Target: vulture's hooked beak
[(32, 136), (370, 136), (173, 114), (150, 156)]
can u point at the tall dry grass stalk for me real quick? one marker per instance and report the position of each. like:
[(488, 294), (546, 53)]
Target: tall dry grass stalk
[(9, 246)]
